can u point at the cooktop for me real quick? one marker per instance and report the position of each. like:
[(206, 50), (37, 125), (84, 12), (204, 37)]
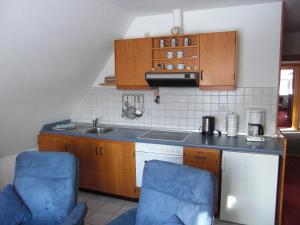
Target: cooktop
[(165, 135)]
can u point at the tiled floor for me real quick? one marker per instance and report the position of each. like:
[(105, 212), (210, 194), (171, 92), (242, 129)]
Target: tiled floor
[(102, 209)]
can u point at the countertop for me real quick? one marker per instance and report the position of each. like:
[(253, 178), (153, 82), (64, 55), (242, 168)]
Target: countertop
[(239, 144)]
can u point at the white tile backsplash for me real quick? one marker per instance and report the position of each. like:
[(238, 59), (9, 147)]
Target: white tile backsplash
[(180, 108)]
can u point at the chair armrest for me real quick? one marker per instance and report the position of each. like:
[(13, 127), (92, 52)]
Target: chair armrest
[(127, 218), (77, 215)]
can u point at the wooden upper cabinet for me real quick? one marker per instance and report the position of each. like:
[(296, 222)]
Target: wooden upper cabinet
[(218, 60), (59, 143), (132, 60)]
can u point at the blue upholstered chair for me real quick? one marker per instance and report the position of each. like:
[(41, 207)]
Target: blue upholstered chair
[(47, 182), (172, 194)]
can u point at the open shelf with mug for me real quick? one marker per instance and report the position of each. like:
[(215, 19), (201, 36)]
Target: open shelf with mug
[(175, 53)]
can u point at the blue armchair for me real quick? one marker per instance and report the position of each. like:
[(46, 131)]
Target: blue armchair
[(172, 194), (47, 182)]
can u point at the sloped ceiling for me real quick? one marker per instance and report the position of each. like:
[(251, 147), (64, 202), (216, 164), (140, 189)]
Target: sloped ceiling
[(51, 51), (146, 7)]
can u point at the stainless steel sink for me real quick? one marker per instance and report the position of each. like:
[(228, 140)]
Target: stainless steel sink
[(99, 130)]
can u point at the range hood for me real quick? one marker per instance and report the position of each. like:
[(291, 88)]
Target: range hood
[(184, 79)]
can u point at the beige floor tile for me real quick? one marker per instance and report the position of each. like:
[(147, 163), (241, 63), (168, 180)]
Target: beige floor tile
[(117, 201), (100, 198), (84, 196), (111, 219), (110, 207), (131, 204), (89, 212), (93, 204), (98, 218)]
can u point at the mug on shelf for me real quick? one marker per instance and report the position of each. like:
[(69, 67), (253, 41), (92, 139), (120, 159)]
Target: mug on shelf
[(180, 54), (187, 41), (163, 43), (181, 66), (161, 66), (170, 54), (170, 66), (174, 42)]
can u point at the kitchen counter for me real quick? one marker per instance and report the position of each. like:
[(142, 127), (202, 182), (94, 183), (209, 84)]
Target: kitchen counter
[(239, 144)]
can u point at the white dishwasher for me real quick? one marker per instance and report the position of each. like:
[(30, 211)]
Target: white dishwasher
[(145, 152)]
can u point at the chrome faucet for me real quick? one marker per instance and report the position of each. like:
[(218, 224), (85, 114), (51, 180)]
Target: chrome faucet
[(95, 123)]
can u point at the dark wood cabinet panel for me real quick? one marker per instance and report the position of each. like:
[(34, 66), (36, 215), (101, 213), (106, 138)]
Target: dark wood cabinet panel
[(291, 191)]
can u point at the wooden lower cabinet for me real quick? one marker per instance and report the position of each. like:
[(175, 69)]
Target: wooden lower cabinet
[(105, 166), (206, 159), (90, 174), (51, 142), (118, 164)]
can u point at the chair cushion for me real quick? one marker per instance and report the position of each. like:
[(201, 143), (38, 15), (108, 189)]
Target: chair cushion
[(12, 209), (174, 220), (170, 189), (47, 182)]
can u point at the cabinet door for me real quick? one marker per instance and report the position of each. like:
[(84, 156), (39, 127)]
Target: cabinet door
[(88, 153), (132, 60), (249, 186), (217, 59), (118, 162), (53, 143)]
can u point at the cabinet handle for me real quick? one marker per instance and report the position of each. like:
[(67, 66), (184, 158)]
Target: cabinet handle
[(201, 75), (101, 153), (200, 157), (96, 150), (67, 147)]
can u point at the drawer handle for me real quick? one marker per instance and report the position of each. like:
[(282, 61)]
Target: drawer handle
[(96, 150), (200, 157)]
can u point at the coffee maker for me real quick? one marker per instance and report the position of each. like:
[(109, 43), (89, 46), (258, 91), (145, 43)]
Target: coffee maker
[(255, 124)]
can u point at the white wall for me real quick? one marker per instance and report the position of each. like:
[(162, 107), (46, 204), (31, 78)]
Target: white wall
[(51, 53), (258, 29), (7, 169), (291, 44)]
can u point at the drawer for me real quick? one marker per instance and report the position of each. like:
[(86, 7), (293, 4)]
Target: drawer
[(208, 159)]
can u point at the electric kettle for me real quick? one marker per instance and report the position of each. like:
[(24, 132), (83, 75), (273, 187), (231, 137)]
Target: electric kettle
[(208, 126)]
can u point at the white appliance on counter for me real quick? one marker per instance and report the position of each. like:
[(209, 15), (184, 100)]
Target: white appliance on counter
[(145, 152), (249, 188)]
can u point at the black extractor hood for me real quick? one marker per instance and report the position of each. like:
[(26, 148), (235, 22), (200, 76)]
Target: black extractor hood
[(184, 79)]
